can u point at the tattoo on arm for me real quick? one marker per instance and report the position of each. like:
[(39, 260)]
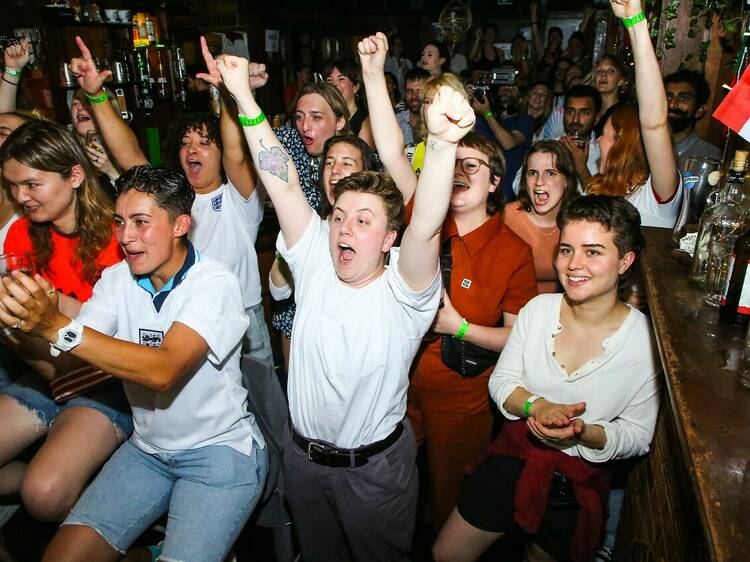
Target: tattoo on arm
[(432, 144), (274, 161)]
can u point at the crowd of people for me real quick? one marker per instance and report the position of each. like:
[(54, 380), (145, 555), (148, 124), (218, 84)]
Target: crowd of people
[(446, 245)]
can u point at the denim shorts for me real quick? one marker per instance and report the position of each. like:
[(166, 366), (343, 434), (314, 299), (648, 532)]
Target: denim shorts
[(32, 392), (209, 493), (259, 342)]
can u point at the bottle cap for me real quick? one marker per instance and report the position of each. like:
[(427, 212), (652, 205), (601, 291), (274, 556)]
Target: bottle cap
[(739, 163)]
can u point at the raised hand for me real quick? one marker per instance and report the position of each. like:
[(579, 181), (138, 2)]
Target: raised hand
[(213, 76), (84, 69), (372, 52), (625, 8), (553, 415), (449, 116), (16, 57), (235, 72), (258, 74)]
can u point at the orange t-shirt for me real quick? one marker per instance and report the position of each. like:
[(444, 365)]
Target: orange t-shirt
[(493, 272), (63, 271), (543, 242)]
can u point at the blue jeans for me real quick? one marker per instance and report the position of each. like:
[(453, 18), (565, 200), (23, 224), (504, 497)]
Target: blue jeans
[(32, 392), (209, 493), (259, 342)]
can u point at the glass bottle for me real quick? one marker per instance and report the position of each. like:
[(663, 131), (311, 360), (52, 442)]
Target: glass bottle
[(743, 371), (721, 219)]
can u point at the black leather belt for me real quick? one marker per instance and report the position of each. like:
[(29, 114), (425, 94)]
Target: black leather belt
[(322, 453)]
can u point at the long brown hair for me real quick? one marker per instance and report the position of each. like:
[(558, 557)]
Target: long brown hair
[(48, 146), (562, 160), (626, 166)]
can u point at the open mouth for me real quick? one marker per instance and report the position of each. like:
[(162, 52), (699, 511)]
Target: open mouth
[(460, 186), (346, 253), (307, 140), (540, 197), (132, 256), (194, 166)]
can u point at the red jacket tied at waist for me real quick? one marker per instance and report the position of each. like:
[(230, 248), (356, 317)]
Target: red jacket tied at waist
[(590, 484)]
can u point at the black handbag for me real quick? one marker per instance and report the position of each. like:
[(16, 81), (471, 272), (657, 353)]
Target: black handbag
[(467, 359)]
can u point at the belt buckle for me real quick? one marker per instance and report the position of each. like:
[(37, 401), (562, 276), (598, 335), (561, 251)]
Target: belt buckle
[(313, 447)]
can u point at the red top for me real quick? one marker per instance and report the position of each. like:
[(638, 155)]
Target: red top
[(63, 271), (590, 483), (493, 272)]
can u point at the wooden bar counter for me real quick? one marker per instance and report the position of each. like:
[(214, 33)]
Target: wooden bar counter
[(689, 499)]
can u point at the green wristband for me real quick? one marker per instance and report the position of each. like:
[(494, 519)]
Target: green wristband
[(527, 405), (12, 71), (462, 330), (488, 114), (94, 99), (279, 258), (246, 121), (632, 20)]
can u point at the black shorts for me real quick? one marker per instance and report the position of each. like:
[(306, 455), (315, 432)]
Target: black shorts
[(487, 503)]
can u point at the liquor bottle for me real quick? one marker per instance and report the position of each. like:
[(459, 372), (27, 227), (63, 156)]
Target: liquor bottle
[(143, 74), (735, 303), (722, 218), (161, 78), (152, 30)]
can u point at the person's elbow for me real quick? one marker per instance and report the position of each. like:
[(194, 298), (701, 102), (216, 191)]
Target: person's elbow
[(166, 375)]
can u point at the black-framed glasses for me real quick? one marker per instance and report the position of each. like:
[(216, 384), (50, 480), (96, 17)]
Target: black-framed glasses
[(471, 165)]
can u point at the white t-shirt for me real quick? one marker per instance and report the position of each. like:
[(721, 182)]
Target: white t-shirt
[(620, 386), (207, 406), (653, 213), (225, 227), (4, 231), (351, 347)]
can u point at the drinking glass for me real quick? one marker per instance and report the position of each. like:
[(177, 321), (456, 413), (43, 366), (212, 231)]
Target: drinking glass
[(14, 261), (717, 272), (697, 181)]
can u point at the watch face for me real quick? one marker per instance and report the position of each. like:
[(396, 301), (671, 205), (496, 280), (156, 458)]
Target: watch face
[(70, 336)]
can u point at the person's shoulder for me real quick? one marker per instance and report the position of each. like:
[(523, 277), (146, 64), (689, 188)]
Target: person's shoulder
[(508, 236), (541, 306), (18, 234)]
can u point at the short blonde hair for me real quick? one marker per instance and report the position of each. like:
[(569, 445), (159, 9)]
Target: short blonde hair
[(430, 87)]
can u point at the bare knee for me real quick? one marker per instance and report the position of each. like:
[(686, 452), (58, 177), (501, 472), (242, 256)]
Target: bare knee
[(46, 496)]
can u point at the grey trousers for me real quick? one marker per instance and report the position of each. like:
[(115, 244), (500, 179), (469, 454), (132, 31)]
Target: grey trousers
[(363, 514)]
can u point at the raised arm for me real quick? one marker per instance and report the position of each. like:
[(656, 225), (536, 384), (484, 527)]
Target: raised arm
[(449, 118), (652, 103), (507, 140), (234, 156), (15, 58), (536, 37), (121, 142), (389, 140), (273, 164)]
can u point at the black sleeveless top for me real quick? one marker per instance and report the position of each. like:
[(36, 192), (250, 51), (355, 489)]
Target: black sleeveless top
[(356, 120)]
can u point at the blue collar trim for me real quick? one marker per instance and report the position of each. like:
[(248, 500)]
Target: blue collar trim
[(158, 297)]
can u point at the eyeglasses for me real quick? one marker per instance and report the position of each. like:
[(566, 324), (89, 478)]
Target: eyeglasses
[(470, 166)]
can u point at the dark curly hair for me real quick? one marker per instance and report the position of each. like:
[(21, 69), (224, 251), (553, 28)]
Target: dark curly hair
[(184, 124)]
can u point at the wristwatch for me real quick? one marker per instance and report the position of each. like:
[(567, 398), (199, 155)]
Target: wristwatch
[(68, 337)]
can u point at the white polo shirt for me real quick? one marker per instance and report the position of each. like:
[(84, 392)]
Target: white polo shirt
[(207, 406), (225, 227), (351, 348), (620, 386)]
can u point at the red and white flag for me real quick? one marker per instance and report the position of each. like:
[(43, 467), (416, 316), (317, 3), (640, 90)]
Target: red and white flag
[(734, 111)]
